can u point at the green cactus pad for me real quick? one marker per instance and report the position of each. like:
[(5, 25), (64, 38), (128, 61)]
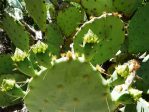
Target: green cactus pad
[(109, 31), (37, 10), (14, 76), (131, 107), (16, 32), (69, 19), (54, 38), (6, 64), (138, 31), (77, 1), (66, 87), (126, 7), (44, 59), (5, 98), (96, 7), (33, 60), (26, 67), (42, 53), (143, 73), (23, 63)]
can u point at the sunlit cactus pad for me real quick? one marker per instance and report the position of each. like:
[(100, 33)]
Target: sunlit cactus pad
[(96, 39), (69, 86)]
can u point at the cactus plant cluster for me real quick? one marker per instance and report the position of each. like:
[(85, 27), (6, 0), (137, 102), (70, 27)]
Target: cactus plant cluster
[(76, 55)]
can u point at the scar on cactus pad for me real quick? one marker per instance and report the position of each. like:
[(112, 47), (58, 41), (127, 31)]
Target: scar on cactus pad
[(69, 88)]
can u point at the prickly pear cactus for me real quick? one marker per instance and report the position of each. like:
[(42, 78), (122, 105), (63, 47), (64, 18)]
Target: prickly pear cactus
[(54, 38), (138, 31), (43, 54), (23, 63), (70, 18), (97, 7), (7, 99), (126, 7), (143, 83), (77, 1), (6, 64), (96, 39), (64, 48), (16, 32), (69, 89), (140, 106), (37, 10)]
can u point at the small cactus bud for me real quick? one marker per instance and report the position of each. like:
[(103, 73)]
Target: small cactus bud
[(19, 55), (136, 94), (39, 47), (123, 70), (90, 38), (7, 84)]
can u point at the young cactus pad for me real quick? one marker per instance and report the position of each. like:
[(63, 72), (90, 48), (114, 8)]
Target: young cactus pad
[(37, 10), (23, 63), (109, 31), (69, 19), (96, 7), (42, 53), (138, 31), (16, 32), (66, 88)]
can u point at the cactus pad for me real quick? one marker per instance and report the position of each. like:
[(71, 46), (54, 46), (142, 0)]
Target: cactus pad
[(69, 89), (54, 38), (96, 7), (138, 31), (69, 19), (143, 73), (141, 106), (37, 10), (109, 31), (126, 7), (16, 32), (6, 64), (6, 99)]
